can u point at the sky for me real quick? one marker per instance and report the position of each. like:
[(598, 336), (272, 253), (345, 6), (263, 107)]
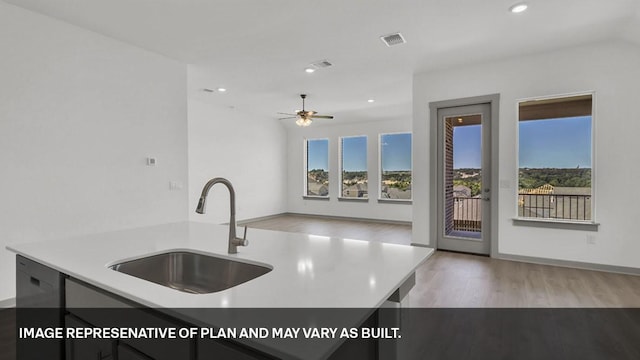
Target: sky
[(467, 147), (318, 154), (354, 153), (396, 153), (555, 143), (552, 143)]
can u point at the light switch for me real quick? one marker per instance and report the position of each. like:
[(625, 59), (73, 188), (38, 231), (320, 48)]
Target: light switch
[(175, 185), (151, 161)]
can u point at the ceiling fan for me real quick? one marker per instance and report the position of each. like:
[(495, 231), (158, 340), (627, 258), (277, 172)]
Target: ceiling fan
[(305, 117)]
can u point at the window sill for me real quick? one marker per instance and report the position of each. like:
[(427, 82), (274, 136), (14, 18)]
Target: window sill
[(557, 224), (307, 197), (354, 199), (395, 201)]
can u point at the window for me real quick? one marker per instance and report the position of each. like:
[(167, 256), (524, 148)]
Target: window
[(395, 166), (555, 159), (317, 168), (353, 166)]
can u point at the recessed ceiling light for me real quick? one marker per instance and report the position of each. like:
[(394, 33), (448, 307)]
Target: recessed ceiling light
[(222, 89), (370, 101), (518, 8), (309, 70)]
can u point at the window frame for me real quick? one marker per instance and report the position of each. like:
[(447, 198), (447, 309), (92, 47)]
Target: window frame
[(589, 225), (340, 165), (380, 170), (305, 187)]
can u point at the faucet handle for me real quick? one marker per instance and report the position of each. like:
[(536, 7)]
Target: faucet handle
[(243, 240)]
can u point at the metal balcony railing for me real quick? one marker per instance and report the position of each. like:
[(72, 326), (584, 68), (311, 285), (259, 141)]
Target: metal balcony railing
[(555, 206), (467, 214)]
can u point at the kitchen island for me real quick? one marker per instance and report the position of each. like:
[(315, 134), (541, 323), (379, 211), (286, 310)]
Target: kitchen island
[(308, 272)]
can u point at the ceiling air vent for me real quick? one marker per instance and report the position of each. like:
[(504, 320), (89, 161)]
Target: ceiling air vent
[(393, 39), (321, 64)]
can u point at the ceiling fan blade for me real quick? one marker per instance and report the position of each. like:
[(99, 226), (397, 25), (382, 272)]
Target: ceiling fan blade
[(321, 116), (281, 113), (285, 118)]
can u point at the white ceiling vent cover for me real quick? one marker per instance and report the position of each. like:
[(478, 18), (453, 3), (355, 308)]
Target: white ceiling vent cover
[(393, 39), (321, 64)]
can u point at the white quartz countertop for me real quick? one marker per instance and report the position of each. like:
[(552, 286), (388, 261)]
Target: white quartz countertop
[(308, 271)]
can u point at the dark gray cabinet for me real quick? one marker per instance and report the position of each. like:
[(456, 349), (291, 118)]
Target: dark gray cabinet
[(37, 286), (39, 304), (128, 353), (87, 349), (105, 310), (223, 350)]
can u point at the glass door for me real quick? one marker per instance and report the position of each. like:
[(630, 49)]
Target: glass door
[(463, 178)]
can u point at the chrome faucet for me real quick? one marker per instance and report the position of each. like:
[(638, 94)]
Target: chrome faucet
[(234, 241)]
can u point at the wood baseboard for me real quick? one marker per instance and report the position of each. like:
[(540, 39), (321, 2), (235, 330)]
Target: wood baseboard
[(571, 264)]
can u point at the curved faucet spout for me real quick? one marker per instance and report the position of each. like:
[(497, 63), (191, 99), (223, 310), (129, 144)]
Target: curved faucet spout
[(201, 209), (234, 241)]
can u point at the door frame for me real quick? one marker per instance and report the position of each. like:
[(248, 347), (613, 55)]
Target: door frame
[(494, 102)]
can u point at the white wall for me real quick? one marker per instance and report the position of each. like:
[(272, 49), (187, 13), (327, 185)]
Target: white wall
[(367, 210), (249, 151), (612, 71), (79, 113)]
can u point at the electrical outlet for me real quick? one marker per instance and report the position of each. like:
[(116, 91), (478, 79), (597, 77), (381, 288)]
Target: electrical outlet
[(591, 239)]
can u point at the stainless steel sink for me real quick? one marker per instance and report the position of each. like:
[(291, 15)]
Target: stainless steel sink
[(192, 272)]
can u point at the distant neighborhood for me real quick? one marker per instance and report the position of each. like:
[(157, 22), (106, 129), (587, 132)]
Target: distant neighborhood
[(394, 184), (317, 182), (543, 193)]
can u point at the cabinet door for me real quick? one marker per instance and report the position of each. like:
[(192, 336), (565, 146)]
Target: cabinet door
[(127, 353), (103, 309), (87, 349), (223, 350)]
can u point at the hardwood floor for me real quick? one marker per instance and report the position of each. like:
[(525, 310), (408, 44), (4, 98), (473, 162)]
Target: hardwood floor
[(461, 280), (350, 229)]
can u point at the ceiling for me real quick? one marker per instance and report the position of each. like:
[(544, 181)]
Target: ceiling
[(258, 49)]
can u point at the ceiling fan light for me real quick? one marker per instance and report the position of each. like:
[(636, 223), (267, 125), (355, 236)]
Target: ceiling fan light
[(303, 121)]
